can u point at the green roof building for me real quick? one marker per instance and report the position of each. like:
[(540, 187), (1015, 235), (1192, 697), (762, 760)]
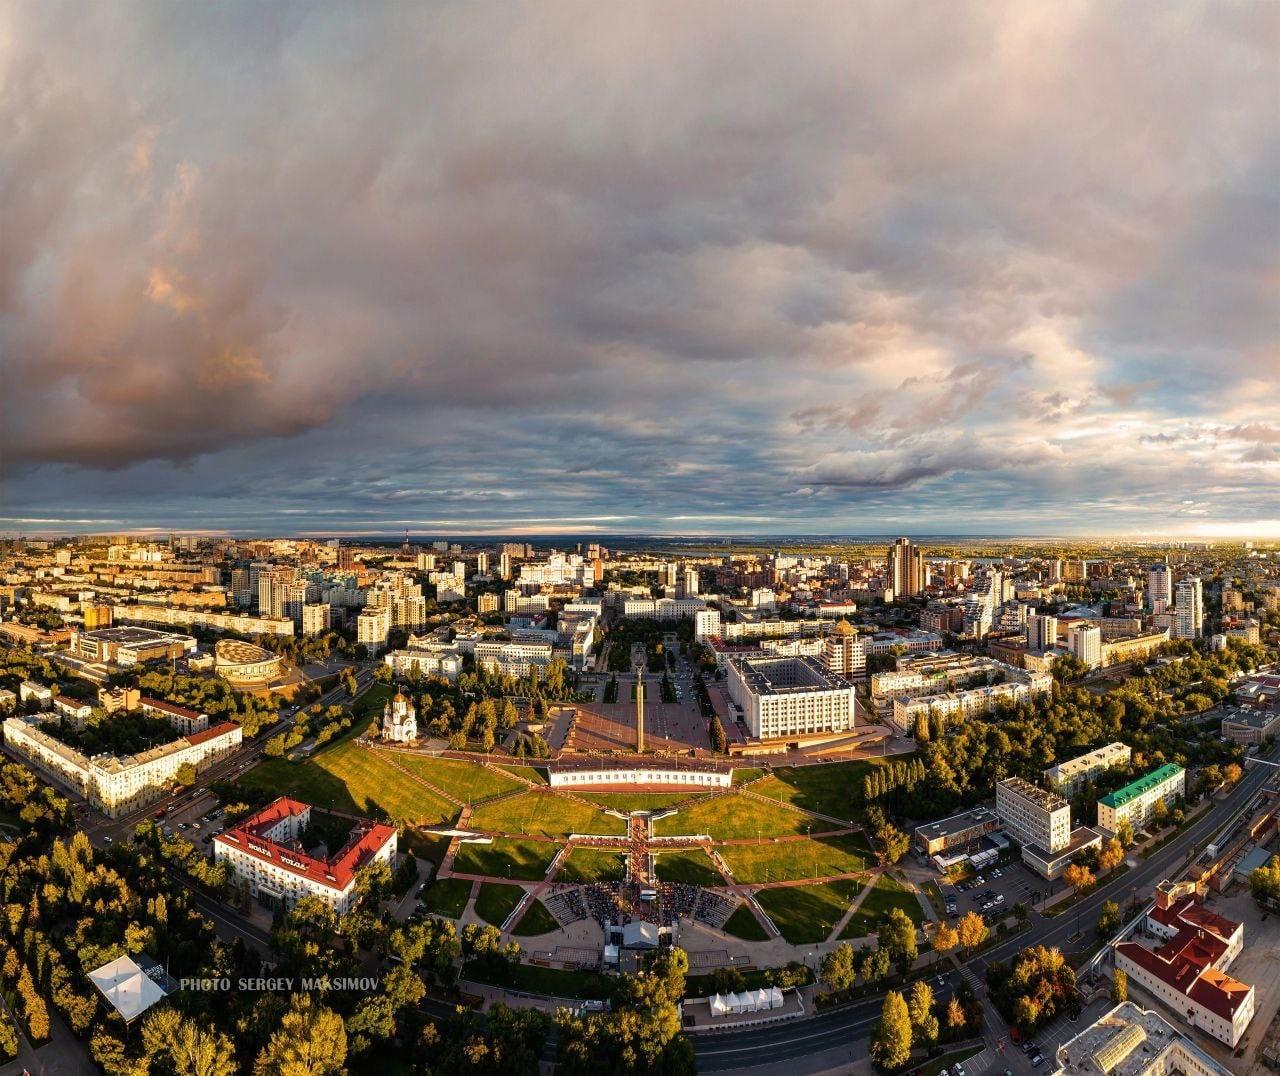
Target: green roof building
[(1137, 799)]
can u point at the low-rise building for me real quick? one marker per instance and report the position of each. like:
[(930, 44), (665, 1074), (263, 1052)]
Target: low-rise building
[(266, 855), (128, 646), (1188, 971), (116, 786), (958, 831), (444, 663), (75, 710), (513, 658), (184, 720), (1247, 727), (1132, 1041), (1137, 799), (29, 689), (1071, 776)]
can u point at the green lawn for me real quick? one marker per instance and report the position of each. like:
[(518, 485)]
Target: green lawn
[(351, 778), (547, 814), (744, 924), (529, 773), (692, 865), (467, 781), (808, 913), (791, 860), (886, 894), (593, 865), (553, 981), (741, 777), (447, 897), (733, 815), (826, 787), (536, 920), (507, 857), (638, 801), (496, 901)]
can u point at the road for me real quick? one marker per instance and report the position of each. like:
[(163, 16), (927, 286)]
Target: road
[(849, 1025)]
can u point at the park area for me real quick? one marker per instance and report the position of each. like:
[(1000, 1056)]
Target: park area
[(786, 861), (734, 816), (506, 857), (546, 814), (808, 913), (887, 893)]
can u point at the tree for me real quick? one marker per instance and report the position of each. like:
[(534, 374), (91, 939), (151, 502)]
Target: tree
[(186, 774), (1231, 772), (837, 968), (892, 842), (1108, 919), (956, 1018), (719, 742), (1078, 877), (1111, 855), (972, 930), (891, 1037), (1264, 885), (1124, 833), (1159, 812), (1119, 986), (945, 938), (924, 1024), (311, 1041), (897, 937)]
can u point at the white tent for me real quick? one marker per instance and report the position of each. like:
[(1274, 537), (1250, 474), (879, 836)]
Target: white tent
[(759, 1000), (720, 1005), (738, 1002), (130, 991), (775, 997)]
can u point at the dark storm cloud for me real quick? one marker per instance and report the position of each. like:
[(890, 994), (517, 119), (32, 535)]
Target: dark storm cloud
[(264, 264)]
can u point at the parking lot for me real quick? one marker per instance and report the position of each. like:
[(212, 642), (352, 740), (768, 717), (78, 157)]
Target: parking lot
[(996, 890)]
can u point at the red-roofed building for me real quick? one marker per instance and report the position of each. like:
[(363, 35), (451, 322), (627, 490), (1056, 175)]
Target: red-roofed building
[(1188, 971), (265, 851), (184, 720)]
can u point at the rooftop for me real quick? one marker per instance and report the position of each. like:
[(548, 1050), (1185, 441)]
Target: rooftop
[(1130, 1041), (1142, 785), (1042, 798), (336, 873)]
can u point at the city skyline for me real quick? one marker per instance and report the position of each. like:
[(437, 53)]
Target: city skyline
[(569, 269)]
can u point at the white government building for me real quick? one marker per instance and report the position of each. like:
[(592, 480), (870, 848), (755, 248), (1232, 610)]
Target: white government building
[(785, 697)]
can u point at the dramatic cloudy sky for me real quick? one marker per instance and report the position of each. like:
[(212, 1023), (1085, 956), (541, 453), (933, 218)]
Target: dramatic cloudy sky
[(653, 267)]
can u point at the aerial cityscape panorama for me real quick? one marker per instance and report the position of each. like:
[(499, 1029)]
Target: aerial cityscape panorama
[(576, 539)]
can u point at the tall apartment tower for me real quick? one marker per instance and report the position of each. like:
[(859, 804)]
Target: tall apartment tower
[(482, 563), (905, 568), (690, 582), (1190, 609), (504, 564), (1042, 633), (1159, 588)]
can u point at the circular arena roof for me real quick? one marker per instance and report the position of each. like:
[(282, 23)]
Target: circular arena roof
[(236, 652)]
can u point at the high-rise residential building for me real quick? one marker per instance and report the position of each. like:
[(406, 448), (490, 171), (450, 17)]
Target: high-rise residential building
[(315, 618), (690, 582), (504, 564), (487, 603), (346, 558), (1189, 606), (905, 569), (668, 574), (843, 652), (426, 562), (373, 625), (482, 563), (1085, 643), (282, 594), (1159, 588), (1042, 633)]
